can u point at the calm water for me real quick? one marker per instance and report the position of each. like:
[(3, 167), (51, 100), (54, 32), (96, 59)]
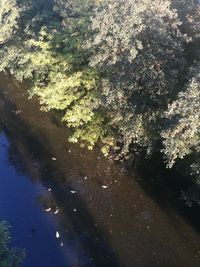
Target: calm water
[(105, 213)]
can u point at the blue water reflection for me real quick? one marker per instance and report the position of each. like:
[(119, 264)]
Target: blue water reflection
[(33, 229)]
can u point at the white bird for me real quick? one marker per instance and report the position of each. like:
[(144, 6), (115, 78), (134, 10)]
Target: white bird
[(73, 191), (48, 209), (53, 158), (104, 186), (61, 244), (56, 211), (75, 210), (49, 189), (57, 235)]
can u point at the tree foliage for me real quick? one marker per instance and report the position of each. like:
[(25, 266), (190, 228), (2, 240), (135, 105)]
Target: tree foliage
[(182, 134), (9, 257), (139, 50), (9, 19), (125, 73), (189, 13)]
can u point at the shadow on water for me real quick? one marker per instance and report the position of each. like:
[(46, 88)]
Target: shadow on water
[(173, 191), (27, 153)]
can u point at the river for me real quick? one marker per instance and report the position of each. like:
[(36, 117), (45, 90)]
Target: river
[(70, 207)]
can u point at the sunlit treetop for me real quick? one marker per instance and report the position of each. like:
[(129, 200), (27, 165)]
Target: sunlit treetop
[(9, 19)]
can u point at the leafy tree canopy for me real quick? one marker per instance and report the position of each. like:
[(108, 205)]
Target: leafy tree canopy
[(125, 73), (9, 19)]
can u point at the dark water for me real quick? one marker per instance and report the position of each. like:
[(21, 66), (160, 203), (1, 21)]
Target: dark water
[(105, 213)]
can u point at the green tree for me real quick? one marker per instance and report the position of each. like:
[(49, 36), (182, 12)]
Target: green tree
[(189, 13), (9, 257), (182, 133), (139, 53), (9, 20), (117, 70)]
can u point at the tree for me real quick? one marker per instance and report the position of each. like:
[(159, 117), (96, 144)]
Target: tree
[(139, 53), (189, 13), (116, 69), (9, 257), (182, 133), (9, 20)]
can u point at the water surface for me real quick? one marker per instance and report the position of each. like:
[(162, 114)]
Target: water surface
[(106, 213)]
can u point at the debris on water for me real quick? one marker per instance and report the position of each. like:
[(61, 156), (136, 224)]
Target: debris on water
[(56, 211), (104, 186), (73, 191), (49, 189), (53, 158), (61, 244), (57, 235), (69, 151), (18, 111), (85, 177), (75, 210), (48, 209)]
